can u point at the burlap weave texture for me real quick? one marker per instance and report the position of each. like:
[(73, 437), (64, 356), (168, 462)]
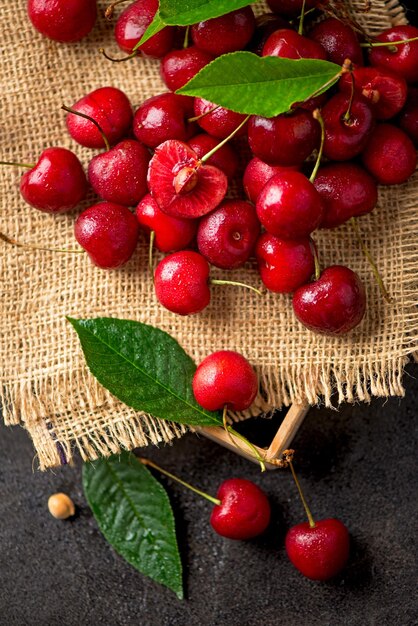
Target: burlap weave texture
[(44, 380)]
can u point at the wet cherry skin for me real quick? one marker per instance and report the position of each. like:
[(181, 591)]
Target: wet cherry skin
[(65, 21), (257, 174), (171, 234), (390, 155), (338, 40), (288, 44), (132, 24), (224, 34), (403, 61), (160, 118), (179, 66), (266, 24), (221, 122), (225, 159), (345, 139), (284, 264), (408, 118)]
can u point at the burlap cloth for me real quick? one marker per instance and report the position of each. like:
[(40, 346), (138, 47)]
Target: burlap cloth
[(45, 384)]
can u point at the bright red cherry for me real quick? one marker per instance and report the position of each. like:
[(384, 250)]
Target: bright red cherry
[(171, 234), (120, 175), (401, 59), (225, 378), (132, 24), (179, 66), (221, 122), (226, 237), (266, 24), (408, 118), (108, 233), (225, 158), (227, 33), (347, 128), (244, 511), (338, 40), (56, 184), (63, 20), (257, 174), (110, 108), (284, 265), (181, 282), (291, 7), (288, 44), (390, 155), (161, 118), (333, 304)]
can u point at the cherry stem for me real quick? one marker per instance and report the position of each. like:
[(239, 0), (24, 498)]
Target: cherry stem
[(316, 259), (217, 281), (150, 252), (122, 59), (29, 246), (371, 261), (298, 18), (110, 9), (301, 19), (317, 116), (230, 431), (224, 141), (186, 37), (199, 117), (93, 121), (347, 114), (387, 44), (178, 480), (302, 497), (28, 165)]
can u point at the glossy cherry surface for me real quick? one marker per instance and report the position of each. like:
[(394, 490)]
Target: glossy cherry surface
[(225, 159), (216, 120), (171, 234), (179, 66), (266, 24), (284, 265), (227, 33), (408, 118), (345, 137), (63, 20), (160, 118), (390, 155), (404, 59), (288, 44), (338, 40), (257, 174), (132, 24)]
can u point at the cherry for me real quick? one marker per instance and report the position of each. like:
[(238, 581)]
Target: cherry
[(401, 59), (292, 7), (384, 91), (225, 378), (286, 139), (226, 237), (181, 185), (160, 118), (390, 155), (266, 24), (333, 304), (347, 191), (110, 108), (63, 20), (216, 120), (171, 234), (179, 66), (132, 24), (225, 159), (284, 265), (408, 118), (348, 125), (257, 174), (288, 44), (338, 40), (56, 184), (108, 233), (120, 174), (227, 33)]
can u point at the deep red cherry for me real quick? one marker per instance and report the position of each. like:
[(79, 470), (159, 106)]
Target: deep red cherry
[(346, 138), (226, 237), (347, 191), (291, 7), (266, 24), (321, 552), (257, 174), (225, 159), (338, 40), (160, 118), (227, 33), (132, 24), (110, 108), (288, 44), (63, 20), (244, 511), (56, 184), (108, 233), (221, 122), (333, 304), (171, 234), (289, 206), (284, 265), (390, 155), (284, 140), (120, 175), (179, 66), (181, 282), (225, 378), (404, 60), (408, 118)]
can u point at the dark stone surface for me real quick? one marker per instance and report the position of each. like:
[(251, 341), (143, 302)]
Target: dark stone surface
[(358, 464)]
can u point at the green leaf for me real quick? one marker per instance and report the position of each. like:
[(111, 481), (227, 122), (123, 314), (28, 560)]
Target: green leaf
[(266, 86), (144, 367), (134, 514)]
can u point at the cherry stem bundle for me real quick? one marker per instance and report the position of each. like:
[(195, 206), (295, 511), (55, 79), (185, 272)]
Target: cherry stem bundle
[(317, 115), (122, 59), (29, 246), (93, 121), (218, 281), (288, 457), (231, 432), (207, 156)]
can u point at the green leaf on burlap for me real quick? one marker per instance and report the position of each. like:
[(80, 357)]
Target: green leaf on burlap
[(144, 367), (135, 516)]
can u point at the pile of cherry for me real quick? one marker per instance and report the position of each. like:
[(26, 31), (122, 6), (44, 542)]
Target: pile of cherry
[(171, 160)]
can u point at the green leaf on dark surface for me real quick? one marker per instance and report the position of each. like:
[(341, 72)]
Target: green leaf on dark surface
[(144, 367), (266, 86), (134, 514)]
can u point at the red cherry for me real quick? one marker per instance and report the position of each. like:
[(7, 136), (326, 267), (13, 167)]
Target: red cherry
[(110, 108), (63, 20), (285, 140), (244, 511), (109, 234), (120, 175), (346, 138), (291, 7), (289, 206), (181, 185), (132, 24), (404, 60), (257, 174), (56, 184), (408, 118), (333, 304), (266, 24), (338, 40), (181, 282), (161, 118), (226, 237), (225, 159), (227, 33), (221, 122), (171, 234), (321, 552), (179, 66), (288, 44), (284, 265), (390, 155), (225, 378), (346, 191)]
